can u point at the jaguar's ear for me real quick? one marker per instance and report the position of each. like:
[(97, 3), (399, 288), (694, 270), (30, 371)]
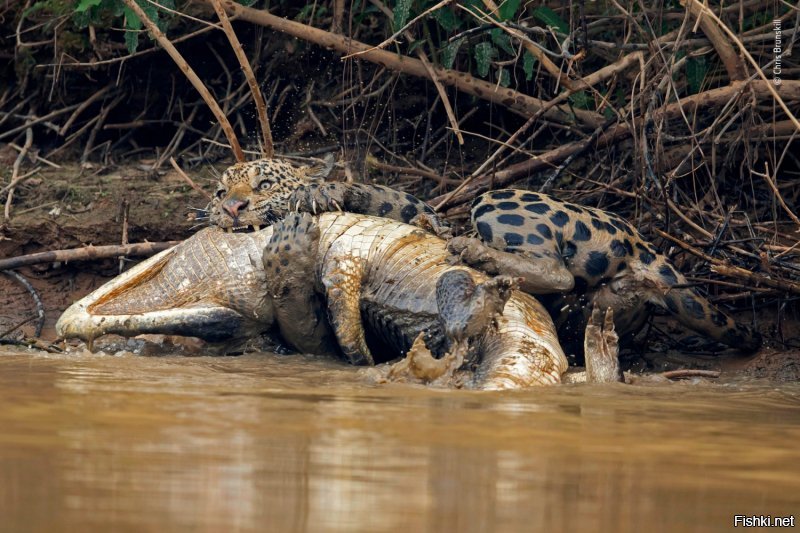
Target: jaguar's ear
[(322, 171)]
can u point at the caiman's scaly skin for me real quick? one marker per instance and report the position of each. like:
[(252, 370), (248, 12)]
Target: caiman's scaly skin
[(378, 269), (210, 286)]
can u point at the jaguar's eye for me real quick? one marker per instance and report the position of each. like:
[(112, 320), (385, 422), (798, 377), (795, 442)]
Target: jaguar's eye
[(265, 185), (220, 193)]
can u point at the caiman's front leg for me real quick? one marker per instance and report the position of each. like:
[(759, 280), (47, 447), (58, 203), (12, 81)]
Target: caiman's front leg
[(374, 200), (289, 263), (342, 274)]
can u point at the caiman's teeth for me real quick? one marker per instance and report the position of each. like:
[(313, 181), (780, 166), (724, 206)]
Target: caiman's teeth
[(229, 230), (256, 227)]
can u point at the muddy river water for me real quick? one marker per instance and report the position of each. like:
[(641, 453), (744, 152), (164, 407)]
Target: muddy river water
[(275, 443)]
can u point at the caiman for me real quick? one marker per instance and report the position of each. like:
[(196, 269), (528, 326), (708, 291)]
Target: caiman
[(365, 287)]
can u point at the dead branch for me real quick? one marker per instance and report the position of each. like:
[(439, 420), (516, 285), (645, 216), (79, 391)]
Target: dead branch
[(191, 76), (188, 180), (731, 60), (721, 267), (255, 90), (548, 65), (685, 373), (788, 90), (448, 107), (769, 85), (15, 171), (87, 253)]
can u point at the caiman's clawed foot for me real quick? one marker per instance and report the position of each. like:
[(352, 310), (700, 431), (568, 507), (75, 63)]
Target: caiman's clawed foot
[(467, 309), (539, 275), (431, 223), (419, 365), (601, 348)]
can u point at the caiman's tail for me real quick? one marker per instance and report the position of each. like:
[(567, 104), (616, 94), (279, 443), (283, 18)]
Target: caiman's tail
[(697, 313)]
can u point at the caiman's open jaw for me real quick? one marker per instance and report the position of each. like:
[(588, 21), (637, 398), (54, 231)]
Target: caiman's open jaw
[(211, 286)]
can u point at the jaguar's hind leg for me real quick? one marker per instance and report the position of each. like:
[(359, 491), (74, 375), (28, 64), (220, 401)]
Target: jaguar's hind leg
[(374, 200), (289, 262), (539, 275)]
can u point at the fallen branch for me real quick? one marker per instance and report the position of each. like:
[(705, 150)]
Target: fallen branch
[(87, 253), (188, 180), (685, 373)]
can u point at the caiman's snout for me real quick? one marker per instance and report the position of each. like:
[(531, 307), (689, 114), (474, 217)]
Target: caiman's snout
[(232, 206)]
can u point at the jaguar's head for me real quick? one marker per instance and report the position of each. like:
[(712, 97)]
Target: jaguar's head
[(255, 194)]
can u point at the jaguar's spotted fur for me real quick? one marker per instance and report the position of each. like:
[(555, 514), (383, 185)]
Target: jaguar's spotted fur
[(257, 193), (254, 194), (589, 256), (578, 256)]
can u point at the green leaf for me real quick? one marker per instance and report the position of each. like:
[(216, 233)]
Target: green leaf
[(132, 24), (551, 18), (450, 51), (528, 62), (415, 45), (508, 9), (696, 70), (132, 21), (401, 11), (447, 19), (501, 39), (131, 41), (475, 7), (83, 5), (484, 52), (503, 77), (581, 100)]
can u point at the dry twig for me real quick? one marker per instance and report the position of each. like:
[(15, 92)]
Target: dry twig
[(191, 76), (255, 90)]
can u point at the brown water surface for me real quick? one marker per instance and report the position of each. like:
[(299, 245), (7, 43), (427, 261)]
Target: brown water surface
[(270, 443)]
